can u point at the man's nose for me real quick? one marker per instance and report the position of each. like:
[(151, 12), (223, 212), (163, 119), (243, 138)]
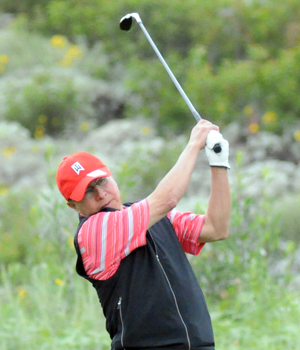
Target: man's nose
[(99, 192)]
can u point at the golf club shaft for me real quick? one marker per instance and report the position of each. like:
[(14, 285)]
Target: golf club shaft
[(125, 24), (179, 88)]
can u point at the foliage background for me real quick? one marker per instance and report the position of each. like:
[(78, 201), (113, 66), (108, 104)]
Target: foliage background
[(71, 80)]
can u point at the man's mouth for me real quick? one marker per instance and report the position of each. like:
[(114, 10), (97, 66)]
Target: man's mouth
[(106, 205)]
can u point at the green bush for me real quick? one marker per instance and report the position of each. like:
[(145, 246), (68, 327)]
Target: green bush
[(16, 236), (258, 315), (259, 90), (230, 57), (22, 6), (43, 103), (287, 211), (138, 175), (49, 309), (55, 87), (225, 27)]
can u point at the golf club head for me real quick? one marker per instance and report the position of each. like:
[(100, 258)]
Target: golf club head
[(126, 21)]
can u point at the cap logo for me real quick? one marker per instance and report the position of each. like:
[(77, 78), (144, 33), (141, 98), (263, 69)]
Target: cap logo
[(77, 167)]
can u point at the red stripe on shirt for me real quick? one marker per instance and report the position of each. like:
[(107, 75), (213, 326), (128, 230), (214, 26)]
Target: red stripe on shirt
[(188, 227), (107, 237)]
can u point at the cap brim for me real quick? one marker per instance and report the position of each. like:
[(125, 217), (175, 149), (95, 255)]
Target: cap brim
[(79, 192)]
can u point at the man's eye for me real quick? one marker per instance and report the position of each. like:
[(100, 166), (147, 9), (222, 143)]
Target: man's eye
[(89, 189), (99, 182)]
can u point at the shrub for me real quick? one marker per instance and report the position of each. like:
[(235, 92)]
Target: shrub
[(53, 101), (259, 91), (16, 235), (49, 308), (53, 86)]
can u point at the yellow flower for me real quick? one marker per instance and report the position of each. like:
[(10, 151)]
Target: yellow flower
[(248, 110), (4, 59), (9, 151), (35, 149), (269, 117), (84, 126), (297, 136), (59, 282), (253, 128), (221, 107), (74, 51), (71, 243), (22, 293), (124, 166), (146, 130), (42, 119), (58, 41), (67, 61), (3, 191), (39, 132)]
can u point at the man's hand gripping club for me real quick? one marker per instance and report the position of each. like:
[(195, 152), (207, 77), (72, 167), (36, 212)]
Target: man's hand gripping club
[(173, 186), (217, 159)]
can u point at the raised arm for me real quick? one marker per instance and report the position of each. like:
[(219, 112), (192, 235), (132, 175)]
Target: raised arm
[(216, 224), (173, 186)]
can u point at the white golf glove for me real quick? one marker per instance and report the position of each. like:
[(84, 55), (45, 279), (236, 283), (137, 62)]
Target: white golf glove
[(217, 159)]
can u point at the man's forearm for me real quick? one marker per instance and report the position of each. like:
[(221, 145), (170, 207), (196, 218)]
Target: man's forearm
[(176, 182), (173, 186), (217, 216)]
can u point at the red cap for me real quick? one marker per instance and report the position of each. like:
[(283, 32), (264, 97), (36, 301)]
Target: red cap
[(75, 173)]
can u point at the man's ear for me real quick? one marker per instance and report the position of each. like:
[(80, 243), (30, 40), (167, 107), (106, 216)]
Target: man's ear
[(72, 205)]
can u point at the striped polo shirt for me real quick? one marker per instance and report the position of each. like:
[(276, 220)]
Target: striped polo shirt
[(108, 237)]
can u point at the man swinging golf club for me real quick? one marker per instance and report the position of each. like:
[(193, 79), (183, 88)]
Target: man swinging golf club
[(134, 254)]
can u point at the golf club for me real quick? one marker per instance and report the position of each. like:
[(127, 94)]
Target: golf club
[(125, 24)]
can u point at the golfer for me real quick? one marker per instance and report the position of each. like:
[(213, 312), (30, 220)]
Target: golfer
[(134, 254)]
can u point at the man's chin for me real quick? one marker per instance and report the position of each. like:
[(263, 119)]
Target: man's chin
[(113, 204)]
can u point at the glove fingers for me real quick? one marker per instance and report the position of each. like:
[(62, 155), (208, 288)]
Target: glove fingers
[(213, 137)]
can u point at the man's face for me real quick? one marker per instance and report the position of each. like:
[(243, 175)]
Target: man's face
[(100, 193)]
